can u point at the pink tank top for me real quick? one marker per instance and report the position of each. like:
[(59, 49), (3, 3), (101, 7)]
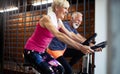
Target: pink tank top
[(39, 40)]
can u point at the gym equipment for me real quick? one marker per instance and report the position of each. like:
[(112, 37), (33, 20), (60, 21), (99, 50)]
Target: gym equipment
[(87, 59)]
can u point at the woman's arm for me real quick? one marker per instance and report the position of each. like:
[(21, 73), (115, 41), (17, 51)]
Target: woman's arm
[(46, 23)]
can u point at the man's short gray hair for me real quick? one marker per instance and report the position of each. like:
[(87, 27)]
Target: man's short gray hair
[(75, 14)]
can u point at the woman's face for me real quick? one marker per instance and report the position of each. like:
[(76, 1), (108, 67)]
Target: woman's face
[(61, 12)]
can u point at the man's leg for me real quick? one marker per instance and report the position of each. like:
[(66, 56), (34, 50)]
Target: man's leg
[(75, 55), (67, 67)]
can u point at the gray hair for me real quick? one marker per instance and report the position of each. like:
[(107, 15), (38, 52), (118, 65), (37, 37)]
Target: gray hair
[(75, 14)]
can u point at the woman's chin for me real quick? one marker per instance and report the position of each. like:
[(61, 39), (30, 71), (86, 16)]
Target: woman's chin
[(62, 17)]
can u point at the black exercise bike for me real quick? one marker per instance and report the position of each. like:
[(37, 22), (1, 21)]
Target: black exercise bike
[(87, 64)]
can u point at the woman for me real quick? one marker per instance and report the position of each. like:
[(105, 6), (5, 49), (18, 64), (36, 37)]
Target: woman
[(47, 28)]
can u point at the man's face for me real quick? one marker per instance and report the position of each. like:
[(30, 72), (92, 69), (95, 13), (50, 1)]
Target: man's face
[(77, 21)]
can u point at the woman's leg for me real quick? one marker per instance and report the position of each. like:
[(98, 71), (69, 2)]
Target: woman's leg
[(56, 66), (36, 60), (44, 68)]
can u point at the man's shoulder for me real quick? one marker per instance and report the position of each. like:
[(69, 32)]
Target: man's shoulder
[(65, 22)]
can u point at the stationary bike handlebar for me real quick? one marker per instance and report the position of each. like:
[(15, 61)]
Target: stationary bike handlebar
[(99, 45), (88, 41)]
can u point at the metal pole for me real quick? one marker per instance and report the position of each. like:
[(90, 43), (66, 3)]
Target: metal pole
[(85, 63), (90, 55), (24, 8), (77, 5), (2, 42)]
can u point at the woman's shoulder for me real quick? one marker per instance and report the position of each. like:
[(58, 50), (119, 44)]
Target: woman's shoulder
[(45, 18)]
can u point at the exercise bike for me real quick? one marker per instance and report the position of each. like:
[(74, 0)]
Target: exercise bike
[(87, 60)]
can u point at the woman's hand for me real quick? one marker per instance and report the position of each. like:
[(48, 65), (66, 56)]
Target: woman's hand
[(86, 49)]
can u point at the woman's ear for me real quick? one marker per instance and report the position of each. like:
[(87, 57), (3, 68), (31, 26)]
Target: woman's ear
[(56, 8)]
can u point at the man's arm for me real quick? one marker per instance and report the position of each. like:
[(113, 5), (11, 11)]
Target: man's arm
[(75, 36)]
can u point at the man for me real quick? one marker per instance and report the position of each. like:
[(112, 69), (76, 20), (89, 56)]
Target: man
[(57, 48)]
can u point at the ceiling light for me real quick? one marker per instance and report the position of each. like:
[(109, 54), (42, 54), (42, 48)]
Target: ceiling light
[(9, 9), (42, 2)]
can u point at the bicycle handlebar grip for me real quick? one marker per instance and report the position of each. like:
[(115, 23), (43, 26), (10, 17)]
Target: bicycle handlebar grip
[(87, 42), (102, 45)]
